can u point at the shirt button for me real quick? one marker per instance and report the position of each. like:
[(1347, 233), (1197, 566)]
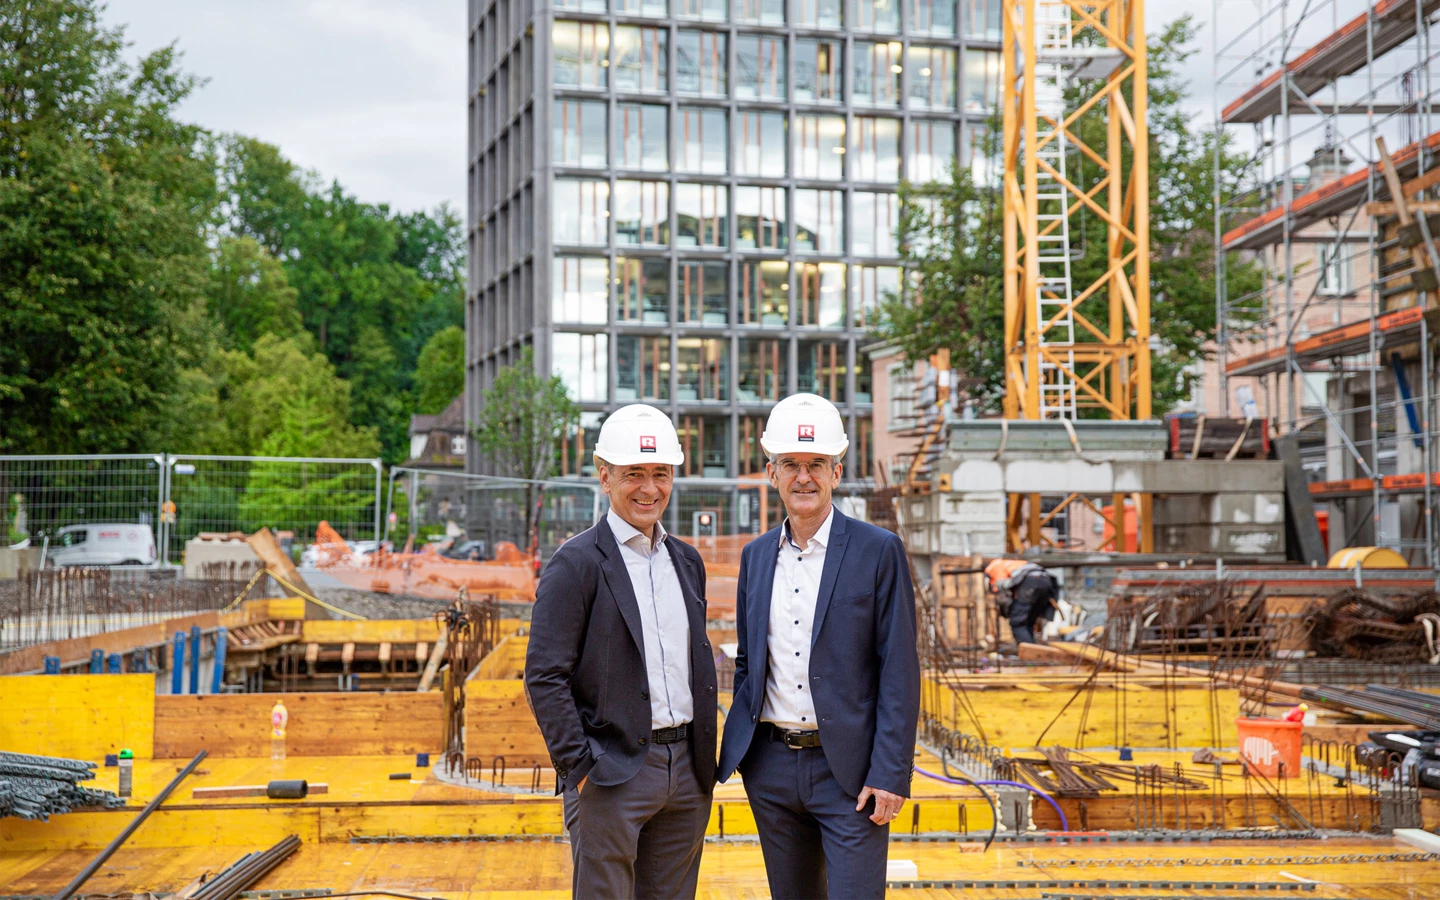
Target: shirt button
[(797, 621), (642, 740), (797, 652), (802, 718), (797, 590)]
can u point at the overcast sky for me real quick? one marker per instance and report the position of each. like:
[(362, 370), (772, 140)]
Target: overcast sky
[(372, 92)]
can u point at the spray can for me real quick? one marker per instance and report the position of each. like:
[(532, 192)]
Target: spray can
[(279, 718), (127, 772)]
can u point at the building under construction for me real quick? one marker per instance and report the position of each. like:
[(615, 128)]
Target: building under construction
[(1239, 695)]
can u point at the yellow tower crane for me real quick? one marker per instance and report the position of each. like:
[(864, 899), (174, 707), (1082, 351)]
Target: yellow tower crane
[(1074, 346)]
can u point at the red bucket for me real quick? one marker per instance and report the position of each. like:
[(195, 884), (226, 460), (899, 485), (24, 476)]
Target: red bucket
[(1267, 743)]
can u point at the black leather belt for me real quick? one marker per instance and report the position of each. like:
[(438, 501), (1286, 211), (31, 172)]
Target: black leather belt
[(795, 740), (672, 735)]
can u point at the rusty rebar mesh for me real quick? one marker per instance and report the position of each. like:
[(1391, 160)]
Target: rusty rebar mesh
[(62, 603), (472, 629), (1358, 624), (1216, 618)]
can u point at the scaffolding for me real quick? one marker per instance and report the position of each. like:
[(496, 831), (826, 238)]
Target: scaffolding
[(1335, 343)]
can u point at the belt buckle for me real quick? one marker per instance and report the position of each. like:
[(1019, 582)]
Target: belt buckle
[(792, 739)]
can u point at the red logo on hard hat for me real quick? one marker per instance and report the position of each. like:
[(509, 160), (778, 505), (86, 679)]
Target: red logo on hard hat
[(647, 443), (807, 432)]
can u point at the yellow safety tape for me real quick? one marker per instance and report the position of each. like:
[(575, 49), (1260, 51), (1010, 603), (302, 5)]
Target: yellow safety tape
[(317, 601)]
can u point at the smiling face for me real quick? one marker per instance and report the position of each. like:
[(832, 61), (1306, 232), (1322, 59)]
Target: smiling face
[(805, 482), (639, 493)]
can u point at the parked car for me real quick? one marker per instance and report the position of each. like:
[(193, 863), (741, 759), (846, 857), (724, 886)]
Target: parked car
[(465, 550), (105, 544)]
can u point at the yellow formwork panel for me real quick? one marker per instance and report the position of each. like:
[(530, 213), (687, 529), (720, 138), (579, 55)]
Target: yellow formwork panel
[(78, 716), (370, 631)]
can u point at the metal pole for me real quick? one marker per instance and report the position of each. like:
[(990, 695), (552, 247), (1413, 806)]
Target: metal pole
[(194, 659), (177, 667), (222, 636), (69, 890), (379, 480)]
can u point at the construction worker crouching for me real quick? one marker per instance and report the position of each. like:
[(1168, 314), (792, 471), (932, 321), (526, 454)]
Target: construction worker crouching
[(1024, 592)]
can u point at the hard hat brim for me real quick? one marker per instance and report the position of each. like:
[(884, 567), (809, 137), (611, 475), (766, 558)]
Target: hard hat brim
[(777, 448), (642, 459)]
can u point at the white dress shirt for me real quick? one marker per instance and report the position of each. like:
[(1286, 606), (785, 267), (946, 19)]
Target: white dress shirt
[(793, 595), (664, 623)]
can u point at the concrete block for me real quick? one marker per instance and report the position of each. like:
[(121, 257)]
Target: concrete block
[(201, 553), (14, 563)]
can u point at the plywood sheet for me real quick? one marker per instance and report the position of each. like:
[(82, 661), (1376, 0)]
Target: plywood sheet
[(78, 716)]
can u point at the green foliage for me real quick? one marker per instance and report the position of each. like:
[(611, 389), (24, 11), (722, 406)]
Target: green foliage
[(440, 373), (103, 199), (250, 295), (953, 246)]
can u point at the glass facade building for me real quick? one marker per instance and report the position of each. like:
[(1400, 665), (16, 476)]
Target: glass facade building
[(693, 203)]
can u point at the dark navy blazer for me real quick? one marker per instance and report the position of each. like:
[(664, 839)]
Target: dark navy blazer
[(864, 667)]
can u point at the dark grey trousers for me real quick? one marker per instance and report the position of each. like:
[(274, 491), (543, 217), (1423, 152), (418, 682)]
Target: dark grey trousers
[(815, 844), (642, 838)]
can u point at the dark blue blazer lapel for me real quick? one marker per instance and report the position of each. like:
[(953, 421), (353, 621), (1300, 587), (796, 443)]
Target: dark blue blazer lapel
[(834, 553), (612, 566), (758, 592), (685, 569)]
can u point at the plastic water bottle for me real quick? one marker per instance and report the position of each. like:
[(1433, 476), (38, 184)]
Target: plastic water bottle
[(127, 772), (279, 718)]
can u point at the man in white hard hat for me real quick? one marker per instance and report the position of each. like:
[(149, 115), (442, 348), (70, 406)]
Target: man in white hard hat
[(621, 677), (827, 676)]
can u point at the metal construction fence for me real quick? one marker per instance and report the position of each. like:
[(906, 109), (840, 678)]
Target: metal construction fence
[(719, 516), (180, 496)]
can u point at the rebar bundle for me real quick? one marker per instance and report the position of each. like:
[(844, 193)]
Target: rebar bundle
[(247, 870), (1211, 618), (38, 787), (1357, 624)]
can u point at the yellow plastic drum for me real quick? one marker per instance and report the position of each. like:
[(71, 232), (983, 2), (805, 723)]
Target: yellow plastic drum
[(1367, 558)]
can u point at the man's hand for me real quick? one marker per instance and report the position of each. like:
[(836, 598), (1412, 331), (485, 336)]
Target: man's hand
[(887, 805)]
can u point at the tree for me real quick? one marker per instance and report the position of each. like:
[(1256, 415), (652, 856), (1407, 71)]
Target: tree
[(953, 249), (103, 199), (522, 419), (250, 295), (440, 373)]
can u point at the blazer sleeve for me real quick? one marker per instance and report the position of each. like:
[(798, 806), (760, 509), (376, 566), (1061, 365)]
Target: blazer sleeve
[(897, 706), (558, 623)]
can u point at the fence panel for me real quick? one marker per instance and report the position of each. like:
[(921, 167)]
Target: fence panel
[(42, 494), (244, 493)]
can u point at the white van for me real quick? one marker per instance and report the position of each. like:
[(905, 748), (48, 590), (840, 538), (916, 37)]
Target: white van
[(111, 544)]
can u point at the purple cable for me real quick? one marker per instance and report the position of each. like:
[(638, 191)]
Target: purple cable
[(1064, 823)]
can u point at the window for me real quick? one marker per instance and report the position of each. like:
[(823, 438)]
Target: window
[(877, 150), (700, 63), (937, 17), (580, 138), (820, 369), (642, 212), (763, 369), (642, 139), (583, 363), (759, 67), (977, 156), (702, 369), (642, 7), (1334, 269), (706, 442), (901, 377), (862, 442), (642, 290), (575, 452), (873, 220), (819, 13), (701, 216), (932, 77), (820, 147), (931, 149), (580, 211), (869, 287), (880, 16), (760, 218), (822, 295), (580, 289), (642, 368), (761, 136), (761, 12), (709, 10), (641, 63), (982, 80), (981, 19), (819, 221), (703, 141), (702, 292), (752, 458), (764, 293), (582, 52), (877, 73), (817, 71), (593, 6)]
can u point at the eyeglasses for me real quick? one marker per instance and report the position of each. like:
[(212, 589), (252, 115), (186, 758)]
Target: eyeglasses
[(790, 468)]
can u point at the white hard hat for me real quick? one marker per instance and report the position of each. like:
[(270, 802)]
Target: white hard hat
[(805, 423), (638, 434)]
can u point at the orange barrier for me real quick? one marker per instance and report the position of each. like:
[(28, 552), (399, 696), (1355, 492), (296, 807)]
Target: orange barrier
[(426, 573)]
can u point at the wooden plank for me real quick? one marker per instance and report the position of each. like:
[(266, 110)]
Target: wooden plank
[(76, 650), (498, 722), (371, 631), (78, 716), (358, 724)]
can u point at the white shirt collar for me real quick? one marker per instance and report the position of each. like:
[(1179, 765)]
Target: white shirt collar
[(822, 537), (625, 532)]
